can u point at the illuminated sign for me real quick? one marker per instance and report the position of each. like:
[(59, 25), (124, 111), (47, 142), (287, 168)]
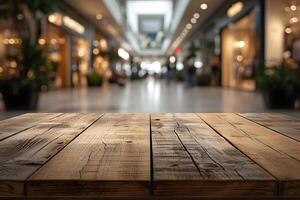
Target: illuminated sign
[(235, 9), (67, 21)]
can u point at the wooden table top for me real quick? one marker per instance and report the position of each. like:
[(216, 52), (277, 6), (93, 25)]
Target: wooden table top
[(143, 155)]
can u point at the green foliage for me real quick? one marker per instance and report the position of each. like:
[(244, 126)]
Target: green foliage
[(279, 77), (34, 67), (192, 51), (33, 59), (33, 64), (44, 6), (94, 79)]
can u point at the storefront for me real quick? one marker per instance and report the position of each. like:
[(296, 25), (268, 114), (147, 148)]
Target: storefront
[(56, 40), (234, 39), (288, 28), (239, 53), (241, 45), (282, 31), (100, 56), (69, 43), (68, 40)]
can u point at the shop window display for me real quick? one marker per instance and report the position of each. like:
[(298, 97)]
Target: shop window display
[(79, 61), (239, 53), (292, 34)]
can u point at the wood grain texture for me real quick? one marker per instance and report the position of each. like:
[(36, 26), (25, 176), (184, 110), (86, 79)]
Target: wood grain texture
[(284, 124), (276, 153), (22, 154), (112, 158), (20, 123), (191, 158)]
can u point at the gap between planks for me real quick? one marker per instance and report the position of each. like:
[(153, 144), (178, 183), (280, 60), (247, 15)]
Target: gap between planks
[(263, 146), (292, 134), (183, 144), (112, 158)]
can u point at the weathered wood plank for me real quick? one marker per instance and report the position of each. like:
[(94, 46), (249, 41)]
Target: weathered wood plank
[(190, 158), (111, 158), (276, 153), (284, 124), (171, 162), (22, 154), (17, 124)]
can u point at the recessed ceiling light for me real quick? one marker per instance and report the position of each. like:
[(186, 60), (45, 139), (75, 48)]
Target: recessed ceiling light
[(196, 15), (99, 16), (294, 20), (293, 7), (203, 6), (193, 21), (189, 26), (288, 30), (96, 51), (287, 9)]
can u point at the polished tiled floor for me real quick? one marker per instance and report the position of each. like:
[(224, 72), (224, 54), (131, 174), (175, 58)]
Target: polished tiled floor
[(149, 96)]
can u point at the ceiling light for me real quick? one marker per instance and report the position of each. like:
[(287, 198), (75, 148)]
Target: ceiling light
[(235, 9), (294, 20), (293, 7), (189, 26), (53, 41), (287, 9), (196, 15), (198, 64), (95, 43), (179, 66), (55, 18), (203, 6), (74, 25), (288, 30), (42, 41), (193, 21), (172, 59), (103, 43), (123, 54), (99, 16), (240, 44), (239, 58), (96, 51)]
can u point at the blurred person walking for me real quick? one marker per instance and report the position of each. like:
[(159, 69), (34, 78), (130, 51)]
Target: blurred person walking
[(169, 73), (215, 70), (190, 72)]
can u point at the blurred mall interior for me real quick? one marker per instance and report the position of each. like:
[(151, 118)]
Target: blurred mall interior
[(149, 56)]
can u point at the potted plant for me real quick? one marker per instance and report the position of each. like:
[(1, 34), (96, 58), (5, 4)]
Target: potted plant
[(279, 85), (94, 79), (20, 91), (203, 79)]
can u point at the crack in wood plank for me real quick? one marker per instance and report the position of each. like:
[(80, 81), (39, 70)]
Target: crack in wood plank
[(218, 164)]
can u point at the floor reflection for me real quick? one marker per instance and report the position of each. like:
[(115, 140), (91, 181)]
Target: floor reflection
[(149, 96)]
